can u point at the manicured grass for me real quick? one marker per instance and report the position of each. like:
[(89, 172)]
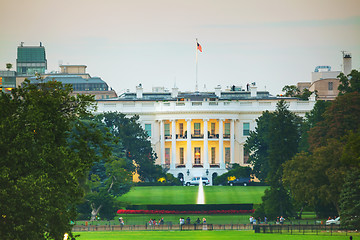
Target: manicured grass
[(161, 195), (234, 194), (209, 235), (188, 195)]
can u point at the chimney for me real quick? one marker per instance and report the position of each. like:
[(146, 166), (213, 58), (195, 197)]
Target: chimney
[(218, 91), (347, 63), (174, 92), (253, 90), (139, 91)]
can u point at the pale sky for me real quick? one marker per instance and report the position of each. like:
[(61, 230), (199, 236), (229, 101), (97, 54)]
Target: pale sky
[(271, 42)]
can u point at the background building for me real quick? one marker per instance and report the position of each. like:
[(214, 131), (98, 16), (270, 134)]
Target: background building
[(325, 81), (199, 133), (7, 80), (31, 60)]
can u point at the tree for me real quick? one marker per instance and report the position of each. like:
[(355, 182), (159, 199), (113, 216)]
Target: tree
[(8, 66), (267, 144), (342, 116), (334, 151), (257, 144), (108, 177), (293, 91), (135, 142), (313, 117), (40, 173), (350, 200), (349, 83)]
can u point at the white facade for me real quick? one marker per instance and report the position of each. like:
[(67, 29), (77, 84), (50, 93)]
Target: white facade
[(178, 122)]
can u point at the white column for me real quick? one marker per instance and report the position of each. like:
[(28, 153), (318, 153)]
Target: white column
[(232, 141), (188, 141), (162, 143), (221, 143), (206, 148), (173, 144)]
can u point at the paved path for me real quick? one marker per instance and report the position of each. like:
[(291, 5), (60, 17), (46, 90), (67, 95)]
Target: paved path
[(201, 196)]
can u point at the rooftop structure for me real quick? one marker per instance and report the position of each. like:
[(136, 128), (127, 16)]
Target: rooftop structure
[(30, 60)]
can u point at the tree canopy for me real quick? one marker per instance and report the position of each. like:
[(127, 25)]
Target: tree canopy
[(134, 141), (275, 141), (322, 176), (40, 172)]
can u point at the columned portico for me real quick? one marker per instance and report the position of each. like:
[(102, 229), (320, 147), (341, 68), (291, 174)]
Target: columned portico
[(188, 144), (162, 143), (221, 143), (173, 144), (232, 140), (206, 148)]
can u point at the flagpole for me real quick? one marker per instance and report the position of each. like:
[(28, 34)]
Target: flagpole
[(196, 50)]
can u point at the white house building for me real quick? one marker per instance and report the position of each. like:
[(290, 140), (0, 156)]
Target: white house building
[(199, 133)]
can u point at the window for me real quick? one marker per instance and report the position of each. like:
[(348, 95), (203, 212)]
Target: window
[(181, 129), (246, 129), (167, 129), (330, 86), (212, 129), (167, 156), (148, 129), (181, 155), (197, 156), (246, 156), (227, 155), (227, 128), (213, 155), (197, 128)]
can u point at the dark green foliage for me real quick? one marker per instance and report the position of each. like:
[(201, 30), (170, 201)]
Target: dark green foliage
[(315, 116), (236, 171), (350, 83), (324, 210), (293, 91), (318, 178), (277, 136), (134, 141), (276, 203), (258, 144), (350, 200), (40, 173)]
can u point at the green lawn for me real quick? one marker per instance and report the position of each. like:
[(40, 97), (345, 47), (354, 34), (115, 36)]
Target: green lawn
[(234, 194), (209, 235), (161, 195), (188, 195)]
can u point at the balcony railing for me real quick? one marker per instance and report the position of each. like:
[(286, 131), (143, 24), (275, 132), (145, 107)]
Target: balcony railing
[(213, 136), (197, 165), (215, 165), (197, 135), (180, 166), (227, 136), (181, 136)]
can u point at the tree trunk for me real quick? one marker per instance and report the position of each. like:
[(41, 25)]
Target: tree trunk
[(94, 212), (301, 211)]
